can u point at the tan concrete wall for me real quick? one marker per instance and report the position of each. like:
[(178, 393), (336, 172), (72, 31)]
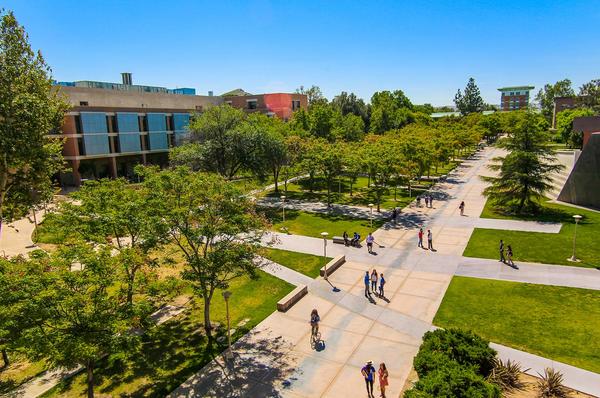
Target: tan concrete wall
[(96, 97)]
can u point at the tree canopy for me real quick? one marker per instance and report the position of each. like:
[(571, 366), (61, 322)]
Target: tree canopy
[(545, 97), (470, 100)]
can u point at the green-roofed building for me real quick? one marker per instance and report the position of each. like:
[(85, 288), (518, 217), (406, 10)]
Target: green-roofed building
[(514, 98)]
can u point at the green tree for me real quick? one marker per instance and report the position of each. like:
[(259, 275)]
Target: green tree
[(313, 94), (383, 162), (78, 317), (390, 110), (293, 145), (349, 127), (329, 163), (524, 174), (470, 100), (564, 125), (350, 103), (321, 120), (590, 95), (273, 149), (29, 110), (353, 162), (215, 228), (545, 97)]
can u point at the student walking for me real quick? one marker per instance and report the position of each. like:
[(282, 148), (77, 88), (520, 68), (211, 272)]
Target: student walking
[(426, 200), (346, 241), (368, 372), (370, 240), (429, 240), (383, 378), (367, 282), (509, 255), (431, 201), (374, 281), (420, 237), (394, 215), (314, 322), (502, 259), (462, 208), (381, 285)]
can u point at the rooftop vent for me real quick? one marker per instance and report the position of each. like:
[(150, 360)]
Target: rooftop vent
[(126, 76)]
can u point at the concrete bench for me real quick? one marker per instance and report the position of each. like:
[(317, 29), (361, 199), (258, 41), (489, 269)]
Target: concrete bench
[(333, 265), (292, 298), (339, 239)]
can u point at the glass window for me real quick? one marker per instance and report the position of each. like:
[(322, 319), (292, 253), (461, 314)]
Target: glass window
[(252, 104)]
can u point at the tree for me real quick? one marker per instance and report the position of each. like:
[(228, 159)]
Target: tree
[(525, 171), (228, 140), (29, 109), (112, 210), (78, 317), (293, 145), (321, 120), (273, 150), (350, 103), (390, 110), (215, 228), (382, 162), (329, 162), (590, 95), (470, 101), (313, 94), (545, 97), (349, 127), (353, 162), (564, 125)]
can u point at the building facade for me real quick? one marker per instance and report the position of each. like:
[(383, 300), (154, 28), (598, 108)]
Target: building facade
[(514, 98), (112, 127)]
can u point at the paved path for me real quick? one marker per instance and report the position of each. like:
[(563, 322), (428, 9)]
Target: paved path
[(319, 207), (276, 359), (15, 238)]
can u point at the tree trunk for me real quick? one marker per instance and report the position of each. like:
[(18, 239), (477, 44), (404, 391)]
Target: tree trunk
[(351, 186), (207, 325), (285, 182), (90, 380), (378, 203), (328, 192), (312, 181), (275, 178), (5, 358), (369, 181)]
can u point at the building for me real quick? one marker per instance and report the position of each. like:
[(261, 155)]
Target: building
[(281, 105), (587, 125), (514, 98), (564, 103), (111, 127)]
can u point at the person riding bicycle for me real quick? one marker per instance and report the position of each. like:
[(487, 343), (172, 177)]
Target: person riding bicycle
[(314, 321)]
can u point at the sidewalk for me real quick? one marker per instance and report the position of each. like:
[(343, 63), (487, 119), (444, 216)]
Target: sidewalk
[(15, 237), (319, 207)]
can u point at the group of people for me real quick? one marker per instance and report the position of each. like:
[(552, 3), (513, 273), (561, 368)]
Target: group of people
[(371, 284), (509, 254), (429, 239), (368, 372), (428, 200), (355, 241)]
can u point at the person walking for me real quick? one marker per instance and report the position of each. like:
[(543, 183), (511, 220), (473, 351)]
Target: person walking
[(346, 241), (431, 201), (370, 240), (419, 201), (509, 255), (429, 240), (426, 200), (367, 282), (381, 285), (394, 215), (368, 372), (420, 238), (383, 378), (374, 281), (502, 259), (462, 208), (314, 322)]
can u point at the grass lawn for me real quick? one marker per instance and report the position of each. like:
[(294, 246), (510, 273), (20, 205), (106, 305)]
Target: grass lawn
[(249, 183), (307, 264), (174, 351), (312, 224), (361, 195), (18, 372), (555, 322), (541, 247)]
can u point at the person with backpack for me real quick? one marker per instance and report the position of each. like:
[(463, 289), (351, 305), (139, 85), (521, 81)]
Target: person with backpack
[(502, 259), (368, 372)]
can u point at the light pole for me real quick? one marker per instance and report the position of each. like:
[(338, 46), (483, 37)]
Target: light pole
[(371, 214), (283, 206), (228, 353), (574, 258), (324, 235)]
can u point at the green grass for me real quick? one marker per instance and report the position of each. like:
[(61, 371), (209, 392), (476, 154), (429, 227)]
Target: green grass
[(361, 195), (312, 224), (250, 183), (554, 322), (306, 264), (174, 351), (542, 247), (49, 231), (18, 372)]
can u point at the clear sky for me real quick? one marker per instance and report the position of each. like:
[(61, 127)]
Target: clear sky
[(429, 49)]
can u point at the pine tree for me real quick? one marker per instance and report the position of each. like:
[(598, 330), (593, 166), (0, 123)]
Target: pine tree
[(525, 171), (471, 100)]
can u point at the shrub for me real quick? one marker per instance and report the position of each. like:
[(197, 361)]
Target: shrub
[(550, 385), (507, 375), (464, 347), (453, 380)]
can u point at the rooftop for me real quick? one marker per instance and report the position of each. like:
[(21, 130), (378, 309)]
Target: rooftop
[(516, 88)]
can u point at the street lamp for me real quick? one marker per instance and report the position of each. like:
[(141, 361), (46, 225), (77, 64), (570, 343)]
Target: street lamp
[(283, 206), (574, 258), (324, 235), (371, 214), (228, 353)]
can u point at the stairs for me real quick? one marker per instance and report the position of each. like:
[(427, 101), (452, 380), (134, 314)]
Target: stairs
[(558, 181)]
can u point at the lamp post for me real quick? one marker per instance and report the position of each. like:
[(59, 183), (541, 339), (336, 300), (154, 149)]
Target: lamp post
[(574, 258), (371, 214), (324, 235), (228, 353), (283, 206)]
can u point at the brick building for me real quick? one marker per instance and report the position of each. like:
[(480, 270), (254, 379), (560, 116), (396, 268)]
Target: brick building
[(514, 98), (111, 127)]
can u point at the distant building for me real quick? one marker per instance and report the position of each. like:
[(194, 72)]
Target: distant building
[(514, 98), (111, 127)]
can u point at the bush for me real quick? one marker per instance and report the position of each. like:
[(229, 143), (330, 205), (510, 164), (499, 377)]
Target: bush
[(453, 380), (507, 375), (551, 385), (464, 347)]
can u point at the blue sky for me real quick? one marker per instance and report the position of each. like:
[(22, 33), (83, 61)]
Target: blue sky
[(429, 49)]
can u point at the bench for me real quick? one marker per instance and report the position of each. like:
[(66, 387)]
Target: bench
[(339, 239), (292, 298), (333, 265)]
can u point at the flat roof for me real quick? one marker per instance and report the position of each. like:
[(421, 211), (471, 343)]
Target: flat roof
[(516, 88)]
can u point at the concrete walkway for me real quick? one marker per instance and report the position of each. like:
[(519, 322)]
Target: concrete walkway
[(319, 207), (15, 238)]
